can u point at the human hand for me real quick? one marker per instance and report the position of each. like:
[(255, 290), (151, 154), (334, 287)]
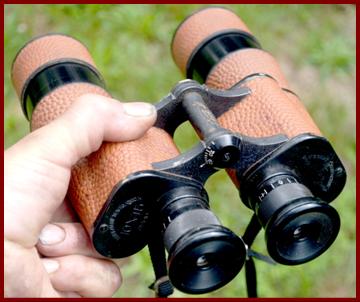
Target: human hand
[(44, 259)]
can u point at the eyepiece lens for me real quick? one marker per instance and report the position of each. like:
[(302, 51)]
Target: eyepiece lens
[(298, 226), (206, 259), (202, 262), (302, 233), (203, 254)]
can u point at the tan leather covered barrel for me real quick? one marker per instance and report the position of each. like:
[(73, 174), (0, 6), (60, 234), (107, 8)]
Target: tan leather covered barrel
[(94, 177), (271, 108)]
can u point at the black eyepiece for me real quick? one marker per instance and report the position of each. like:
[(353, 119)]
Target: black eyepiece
[(205, 259), (203, 255), (298, 226), (302, 231)]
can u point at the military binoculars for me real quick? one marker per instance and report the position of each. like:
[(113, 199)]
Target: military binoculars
[(145, 192)]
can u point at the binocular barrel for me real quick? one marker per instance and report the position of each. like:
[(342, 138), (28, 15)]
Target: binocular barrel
[(213, 46), (49, 73), (68, 63), (116, 189)]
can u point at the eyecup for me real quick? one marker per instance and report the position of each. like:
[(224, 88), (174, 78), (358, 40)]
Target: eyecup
[(206, 259), (299, 233)]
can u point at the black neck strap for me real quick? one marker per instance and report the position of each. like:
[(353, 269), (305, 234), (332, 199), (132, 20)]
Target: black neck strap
[(252, 230), (53, 76), (213, 49)]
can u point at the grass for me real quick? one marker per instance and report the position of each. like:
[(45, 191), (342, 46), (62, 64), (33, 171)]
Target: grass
[(315, 45)]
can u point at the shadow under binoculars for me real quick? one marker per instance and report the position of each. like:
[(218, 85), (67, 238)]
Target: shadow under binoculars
[(287, 173)]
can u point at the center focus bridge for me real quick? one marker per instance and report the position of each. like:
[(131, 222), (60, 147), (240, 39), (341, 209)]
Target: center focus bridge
[(178, 106)]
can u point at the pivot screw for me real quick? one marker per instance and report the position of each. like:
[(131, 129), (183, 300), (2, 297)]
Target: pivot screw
[(103, 228), (226, 157)]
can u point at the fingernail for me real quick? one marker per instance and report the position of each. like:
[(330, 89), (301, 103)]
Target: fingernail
[(50, 265), (139, 109), (51, 234)]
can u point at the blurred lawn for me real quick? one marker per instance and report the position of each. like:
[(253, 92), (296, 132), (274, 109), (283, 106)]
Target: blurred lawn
[(315, 45)]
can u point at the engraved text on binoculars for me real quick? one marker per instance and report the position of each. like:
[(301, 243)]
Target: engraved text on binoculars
[(137, 220), (274, 185), (208, 156)]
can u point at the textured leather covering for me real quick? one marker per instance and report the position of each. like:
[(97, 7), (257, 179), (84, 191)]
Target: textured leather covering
[(242, 63), (56, 102), (268, 110), (42, 50), (94, 177)]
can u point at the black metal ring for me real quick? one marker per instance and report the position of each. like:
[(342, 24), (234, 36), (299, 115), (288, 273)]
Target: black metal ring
[(54, 75), (214, 48)]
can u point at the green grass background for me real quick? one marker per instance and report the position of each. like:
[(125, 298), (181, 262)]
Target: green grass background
[(315, 45)]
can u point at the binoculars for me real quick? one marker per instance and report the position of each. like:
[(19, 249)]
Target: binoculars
[(145, 192)]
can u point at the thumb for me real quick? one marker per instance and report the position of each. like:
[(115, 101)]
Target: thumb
[(37, 168)]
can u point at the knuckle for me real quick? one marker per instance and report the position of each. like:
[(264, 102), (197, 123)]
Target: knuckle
[(87, 111), (90, 103), (77, 236), (106, 277), (87, 98), (92, 277), (115, 278), (84, 265)]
